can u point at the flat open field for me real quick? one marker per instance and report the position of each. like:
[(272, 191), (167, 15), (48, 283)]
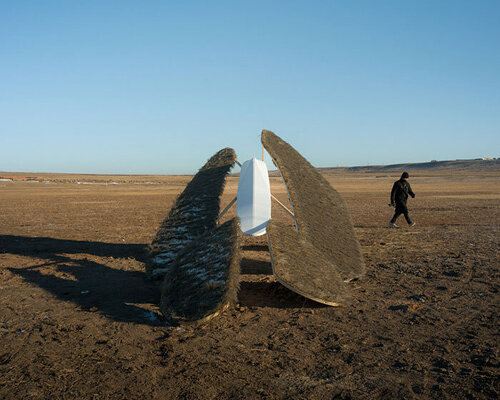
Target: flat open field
[(79, 319)]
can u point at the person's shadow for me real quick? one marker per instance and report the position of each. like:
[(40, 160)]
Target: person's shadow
[(119, 290)]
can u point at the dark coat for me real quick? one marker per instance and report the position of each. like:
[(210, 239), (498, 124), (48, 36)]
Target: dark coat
[(400, 191)]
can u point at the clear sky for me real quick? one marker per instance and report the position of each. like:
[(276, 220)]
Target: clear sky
[(157, 87)]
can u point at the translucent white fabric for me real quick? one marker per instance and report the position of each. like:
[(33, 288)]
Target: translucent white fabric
[(253, 205)]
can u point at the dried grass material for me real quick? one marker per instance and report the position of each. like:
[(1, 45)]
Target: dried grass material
[(204, 279), (303, 268), (194, 212), (321, 213)]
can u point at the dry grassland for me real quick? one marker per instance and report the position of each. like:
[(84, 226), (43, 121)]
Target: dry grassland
[(79, 319)]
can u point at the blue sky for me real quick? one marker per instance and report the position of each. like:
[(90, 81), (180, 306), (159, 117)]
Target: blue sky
[(157, 87)]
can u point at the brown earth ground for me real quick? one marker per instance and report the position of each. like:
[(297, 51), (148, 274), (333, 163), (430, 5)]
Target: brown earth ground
[(79, 319)]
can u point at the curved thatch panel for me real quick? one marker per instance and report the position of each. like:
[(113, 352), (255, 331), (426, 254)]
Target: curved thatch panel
[(204, 279), (301, 267), (194, 212), (321, 213)]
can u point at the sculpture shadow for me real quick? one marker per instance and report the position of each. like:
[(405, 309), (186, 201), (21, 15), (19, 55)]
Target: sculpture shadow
[(117, 290), (268, 293), (255, 247), (250, 266), (272, 294)]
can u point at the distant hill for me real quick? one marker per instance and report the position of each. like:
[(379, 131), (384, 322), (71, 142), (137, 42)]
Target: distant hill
[(477, 164), (458, 165)]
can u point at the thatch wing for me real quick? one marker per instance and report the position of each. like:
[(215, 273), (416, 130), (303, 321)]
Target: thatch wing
[(194, 212), (204, 279), (321, 213), (301, 267)]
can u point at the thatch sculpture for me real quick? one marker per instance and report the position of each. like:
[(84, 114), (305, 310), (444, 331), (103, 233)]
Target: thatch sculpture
[(204, 279), (200, 261), (321, 214), (303, 268), (194, 212)]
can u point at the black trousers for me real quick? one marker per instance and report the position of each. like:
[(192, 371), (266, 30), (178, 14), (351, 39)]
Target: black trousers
[(401, 209)]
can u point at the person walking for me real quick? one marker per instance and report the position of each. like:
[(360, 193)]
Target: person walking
[(399, 195)]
